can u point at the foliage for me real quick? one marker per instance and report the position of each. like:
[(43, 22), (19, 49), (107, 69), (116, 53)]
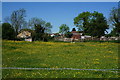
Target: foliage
[(93, 24), (98, 25), (8, 31), (36, 21), (68, 35), (63, 29), (48, 27), (84, 55), (108, 35), (82, 20), (114, 32), (115, 21), (38, 33), (0, 30), (73, 29)]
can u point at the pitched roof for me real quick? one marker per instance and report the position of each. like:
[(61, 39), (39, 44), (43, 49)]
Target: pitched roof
[(24, 34)]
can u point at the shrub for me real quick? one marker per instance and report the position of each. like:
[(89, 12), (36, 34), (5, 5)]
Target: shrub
[(8, 32)]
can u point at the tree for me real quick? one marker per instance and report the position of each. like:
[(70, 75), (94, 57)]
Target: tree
[(82, 21), (48, 27), (17, 19), (63, 29), (38, 33), (38, 21), (93, 24), (8, 31), (68, 34), (0, 30), (41, 28), (73, 29), (98, 25), (115, 21)]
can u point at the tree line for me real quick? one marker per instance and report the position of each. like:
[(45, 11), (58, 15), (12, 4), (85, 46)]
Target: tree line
[(93, 24)]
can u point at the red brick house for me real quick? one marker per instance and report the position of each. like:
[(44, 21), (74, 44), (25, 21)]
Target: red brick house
[(76, 35)]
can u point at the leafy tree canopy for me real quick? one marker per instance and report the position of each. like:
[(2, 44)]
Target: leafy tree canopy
[(38, 21), (63, 29), (8, 31), (93, 24)]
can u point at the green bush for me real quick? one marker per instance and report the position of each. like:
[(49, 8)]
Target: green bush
[(8, 32)]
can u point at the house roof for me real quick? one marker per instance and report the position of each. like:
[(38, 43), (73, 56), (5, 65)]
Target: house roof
[(74, 32), (24, 34), (29, 30)]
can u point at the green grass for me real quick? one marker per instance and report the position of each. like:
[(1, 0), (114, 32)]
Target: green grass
[(81, 55)]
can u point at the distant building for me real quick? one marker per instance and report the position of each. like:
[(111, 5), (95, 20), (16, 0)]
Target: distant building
[(25, 35), (76, 35), (52, 35)]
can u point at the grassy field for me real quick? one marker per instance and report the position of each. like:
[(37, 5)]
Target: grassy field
[(82, 55)]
